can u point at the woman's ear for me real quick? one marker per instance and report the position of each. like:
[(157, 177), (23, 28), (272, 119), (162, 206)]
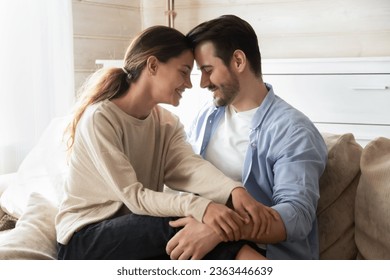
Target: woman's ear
[(152, 65), (239, 60)]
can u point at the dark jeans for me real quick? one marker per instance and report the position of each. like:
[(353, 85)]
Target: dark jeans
[(131, 237)]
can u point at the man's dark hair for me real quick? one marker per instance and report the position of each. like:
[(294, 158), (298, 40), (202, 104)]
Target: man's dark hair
[(229, 33)]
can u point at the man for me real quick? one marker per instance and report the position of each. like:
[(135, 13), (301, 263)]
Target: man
[(255, 137)]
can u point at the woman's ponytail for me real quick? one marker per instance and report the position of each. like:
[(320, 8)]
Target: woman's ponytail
[(106, 83)]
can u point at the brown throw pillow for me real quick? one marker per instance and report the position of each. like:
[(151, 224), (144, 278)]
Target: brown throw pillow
[(338, 186), (373, 202)]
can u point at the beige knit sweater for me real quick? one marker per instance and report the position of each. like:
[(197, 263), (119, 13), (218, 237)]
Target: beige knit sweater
[(118, 160)]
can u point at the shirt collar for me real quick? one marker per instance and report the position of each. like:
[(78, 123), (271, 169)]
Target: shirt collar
[(264, 107)]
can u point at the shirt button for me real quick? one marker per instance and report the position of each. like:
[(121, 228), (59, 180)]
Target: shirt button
[(253, 145)]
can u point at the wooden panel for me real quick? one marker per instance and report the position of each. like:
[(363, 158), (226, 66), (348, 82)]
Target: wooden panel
[(153, 13), (285, 17), (102, 29), (294, 28), (105, 21), (86, 51), (325, 45), (123, 3)]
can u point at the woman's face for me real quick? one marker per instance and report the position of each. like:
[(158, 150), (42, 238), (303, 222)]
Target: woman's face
[(172, 78)]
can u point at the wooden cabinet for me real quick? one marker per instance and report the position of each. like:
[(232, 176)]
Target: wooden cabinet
[(338, 95)]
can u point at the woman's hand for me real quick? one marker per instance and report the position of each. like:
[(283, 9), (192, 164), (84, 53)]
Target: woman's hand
[(193, 241), (252, 211), (226, 222)]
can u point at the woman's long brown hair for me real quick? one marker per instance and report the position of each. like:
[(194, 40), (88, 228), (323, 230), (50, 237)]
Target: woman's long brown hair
[(107, 83)]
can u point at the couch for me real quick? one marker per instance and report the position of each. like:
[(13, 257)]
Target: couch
[(353, 210)]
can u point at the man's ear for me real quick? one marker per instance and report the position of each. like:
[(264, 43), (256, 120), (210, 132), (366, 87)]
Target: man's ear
[(239, 60), (152, 65)]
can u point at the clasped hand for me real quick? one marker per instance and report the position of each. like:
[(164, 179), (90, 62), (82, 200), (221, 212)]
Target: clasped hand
[(221, 223), (260, 216), (229, 224)]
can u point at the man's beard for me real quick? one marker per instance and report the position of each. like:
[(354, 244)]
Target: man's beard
[(228, 92)]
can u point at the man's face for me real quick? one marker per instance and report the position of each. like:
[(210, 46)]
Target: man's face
[(215, 75)]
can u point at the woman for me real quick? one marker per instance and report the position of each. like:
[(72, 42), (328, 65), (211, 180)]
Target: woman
[(125, 148)]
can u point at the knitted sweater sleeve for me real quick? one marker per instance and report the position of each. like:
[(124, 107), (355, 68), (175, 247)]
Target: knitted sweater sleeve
[(116, 179)]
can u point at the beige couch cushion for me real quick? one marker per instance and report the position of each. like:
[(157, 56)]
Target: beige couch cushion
[(373, 202), (337, 197), (34, 236)]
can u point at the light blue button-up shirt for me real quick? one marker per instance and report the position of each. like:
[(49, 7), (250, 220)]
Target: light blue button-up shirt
[(285, 158)]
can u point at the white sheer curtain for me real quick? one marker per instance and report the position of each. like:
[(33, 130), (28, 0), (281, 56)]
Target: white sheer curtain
[(36, 73)]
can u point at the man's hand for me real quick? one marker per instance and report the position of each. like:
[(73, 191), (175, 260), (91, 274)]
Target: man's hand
[(193, 241), (253, 211), (226, 222)]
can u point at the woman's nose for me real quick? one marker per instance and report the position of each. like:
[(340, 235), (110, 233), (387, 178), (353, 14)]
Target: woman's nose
[(188, 83), (204, 80)]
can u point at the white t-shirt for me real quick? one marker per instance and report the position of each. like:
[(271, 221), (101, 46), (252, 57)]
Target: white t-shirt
[(227, 147)]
